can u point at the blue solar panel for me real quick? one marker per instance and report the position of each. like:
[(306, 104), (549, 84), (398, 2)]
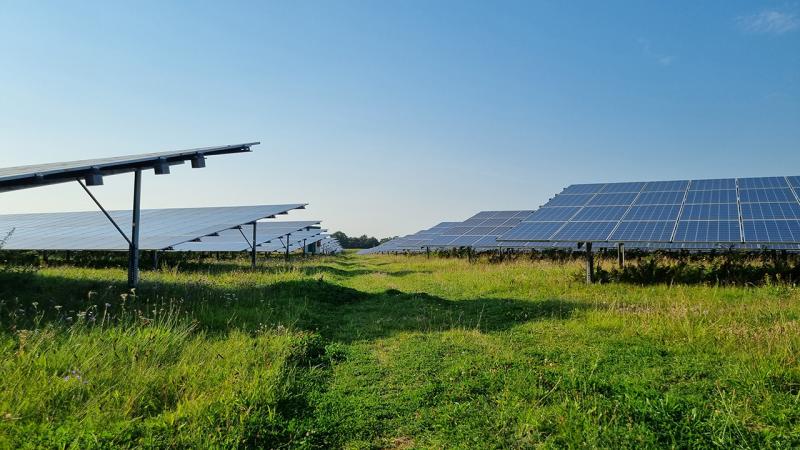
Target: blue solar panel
[(615, 188), (694, 213), (600, 213), (644, 231), (704, 185), (583, 188), (654, 212), (772, 231), (654, 186), (585, 231), (464, 241), (708, 231), (570, 200), (495, 222), (717, 196), (500, 230), (481, 230), (763, 182), (481, 215), (441, 240), (770, 211), (713, 211), (513, 221), (457, 231), (533, 231), (557, 213), (766, 195), (612, 199), (660, 198)]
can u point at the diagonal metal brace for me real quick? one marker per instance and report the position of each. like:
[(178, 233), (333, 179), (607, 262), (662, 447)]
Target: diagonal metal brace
[(249, 244), (108, 216)]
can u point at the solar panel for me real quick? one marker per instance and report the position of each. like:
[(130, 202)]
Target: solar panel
[(612, 199), (236, 240), (762, 211), (570, 200), (643, 231), (584, 231), (772, 230), (21, 177), (598, 213), (708, 231), (705, 185), (159, 228), (711, 196), (653, 212), (713, 213), (660, 198), (766, 195), (482, 231)]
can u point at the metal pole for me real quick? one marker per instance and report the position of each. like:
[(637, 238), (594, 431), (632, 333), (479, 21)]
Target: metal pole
[(155, 259), (304, 248), (253, 251), (428, 252), (133, 249), (287, 246), (589, 264), (621, 255)]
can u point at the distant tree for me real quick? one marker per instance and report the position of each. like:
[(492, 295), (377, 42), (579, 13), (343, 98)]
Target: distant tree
[(362, 241)]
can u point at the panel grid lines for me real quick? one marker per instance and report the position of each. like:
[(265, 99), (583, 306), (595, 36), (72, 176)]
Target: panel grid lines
[(739, 209), (680, 213), (627, 210), (724, 211)]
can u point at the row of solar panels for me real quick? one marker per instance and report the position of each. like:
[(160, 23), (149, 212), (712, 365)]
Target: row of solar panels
[(176, 229), (744, 213)]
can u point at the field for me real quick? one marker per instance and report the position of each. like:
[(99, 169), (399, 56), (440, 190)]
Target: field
[(394, 352)]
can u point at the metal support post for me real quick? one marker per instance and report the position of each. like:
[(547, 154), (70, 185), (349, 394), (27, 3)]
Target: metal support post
[(253, 248), (428, 252), (155, 259), (286, 257), (621, 255), (589, 264), (304, 248), (133, 249)]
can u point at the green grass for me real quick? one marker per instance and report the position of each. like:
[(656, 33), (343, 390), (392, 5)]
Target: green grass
[(397, 352)]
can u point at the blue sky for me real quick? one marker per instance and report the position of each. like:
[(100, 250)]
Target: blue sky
[(388, 117)]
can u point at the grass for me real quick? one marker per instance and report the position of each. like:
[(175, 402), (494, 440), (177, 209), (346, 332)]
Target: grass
[(394, 352)]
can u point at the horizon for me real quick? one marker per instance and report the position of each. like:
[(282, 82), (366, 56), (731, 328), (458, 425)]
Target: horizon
[(388, 119)]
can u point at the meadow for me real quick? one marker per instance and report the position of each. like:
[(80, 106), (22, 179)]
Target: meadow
[(398, 352)]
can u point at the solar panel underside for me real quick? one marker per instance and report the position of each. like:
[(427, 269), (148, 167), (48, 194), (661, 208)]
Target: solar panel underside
[(718, 212), (159, 228), (236, 240)]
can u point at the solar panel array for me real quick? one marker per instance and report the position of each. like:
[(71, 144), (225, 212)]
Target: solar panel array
[(160, 228), (237, 240), (411, 243), (719, 211), (479, 231)]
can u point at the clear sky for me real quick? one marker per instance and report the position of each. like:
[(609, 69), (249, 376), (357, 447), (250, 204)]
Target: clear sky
[(391, 116)]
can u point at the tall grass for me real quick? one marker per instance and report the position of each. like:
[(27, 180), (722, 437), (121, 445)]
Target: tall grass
[(395, 351)]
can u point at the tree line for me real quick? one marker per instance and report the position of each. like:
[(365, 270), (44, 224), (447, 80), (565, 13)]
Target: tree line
[(362, 241)]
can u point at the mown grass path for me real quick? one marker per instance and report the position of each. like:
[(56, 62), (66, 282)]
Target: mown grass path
[(398, 352)]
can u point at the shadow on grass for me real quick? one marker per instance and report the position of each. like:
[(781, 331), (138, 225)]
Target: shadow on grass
[(337, 313)]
